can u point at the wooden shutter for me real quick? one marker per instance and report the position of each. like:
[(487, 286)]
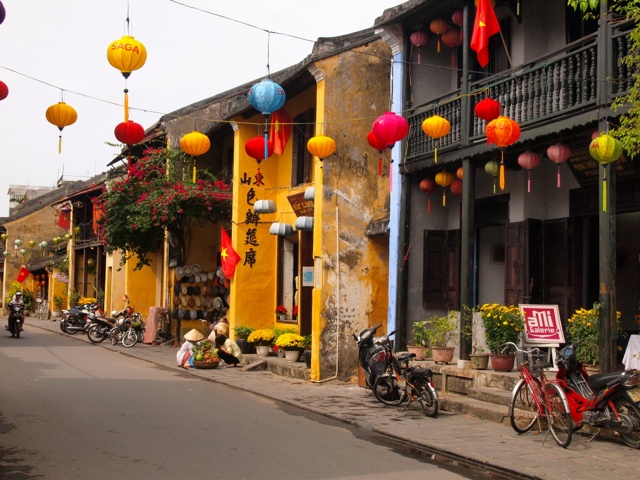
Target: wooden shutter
[(441, 269)]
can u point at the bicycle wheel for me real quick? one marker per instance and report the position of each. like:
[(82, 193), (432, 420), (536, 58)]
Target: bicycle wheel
[(129, 338), (625, 407), (559, 415), (387, 390), (523, 411), (97, 334), (115, 335), (428, 402)]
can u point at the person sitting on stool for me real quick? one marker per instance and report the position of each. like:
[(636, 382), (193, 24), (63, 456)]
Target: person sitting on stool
[(228, 350)]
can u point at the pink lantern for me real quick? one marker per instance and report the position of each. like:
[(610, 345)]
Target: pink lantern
[(428, 186), (529, 160), (418, 38), (558, 153), (390, 128), (458, 18)]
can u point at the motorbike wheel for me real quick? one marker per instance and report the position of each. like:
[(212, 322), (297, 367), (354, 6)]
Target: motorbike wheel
[(63, 325), (559, 415), (115, 336), (71, 327), (523, 412), (129, 338), (97, 334), (626, 407), (387, 391), (427, 400), (18, 328)]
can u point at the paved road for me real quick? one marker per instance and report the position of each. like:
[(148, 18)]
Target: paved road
[(455, 436)]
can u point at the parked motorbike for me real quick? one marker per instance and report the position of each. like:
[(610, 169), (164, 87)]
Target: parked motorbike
[(99, 328), (601, 401), (374, 356), (77, 319), (16, 319)]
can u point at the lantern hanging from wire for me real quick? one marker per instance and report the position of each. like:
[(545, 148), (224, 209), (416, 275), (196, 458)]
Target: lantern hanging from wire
[(503, 132), (558, 153), (126, 54), (456, 187), (444, 179), (439, 26), (390, 128), (379, 145), (255, 148), (428, 186), (605, 149), (487, 109), (452, 38), (529, 160), (458, 18), (321, 146), (4, 90), (61, 115), (436, 127), (129, 133), (266, 97), (418, 38), (3, 13), (460, 173), (492, 167), (195, 144)]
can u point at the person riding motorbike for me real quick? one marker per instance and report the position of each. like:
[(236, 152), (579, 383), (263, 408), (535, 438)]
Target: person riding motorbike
[(15, 307)]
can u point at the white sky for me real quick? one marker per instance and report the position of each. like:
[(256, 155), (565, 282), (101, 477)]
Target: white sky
[(191, 55)]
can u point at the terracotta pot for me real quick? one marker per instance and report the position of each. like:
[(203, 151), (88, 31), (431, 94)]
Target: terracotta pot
[(419, 350), (442, 354), (479, 361), (502, 362)]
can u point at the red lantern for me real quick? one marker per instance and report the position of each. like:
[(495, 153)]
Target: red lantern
[(129, 132), (439, 26), (529, 160), (390, 128), (458, 18), (558, 153), (255, 148), (444, 179), (503, 132), (379, 145), (428, 186), (487, 109), (456, 187), (452, 38), (418, 38), (4, 90)]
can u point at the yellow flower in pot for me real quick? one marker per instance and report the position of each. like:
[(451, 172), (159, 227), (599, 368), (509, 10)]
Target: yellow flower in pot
[(502, 324)]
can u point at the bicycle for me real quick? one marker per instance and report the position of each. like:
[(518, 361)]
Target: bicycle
[(534, 398), (42, 312), (403, 382)]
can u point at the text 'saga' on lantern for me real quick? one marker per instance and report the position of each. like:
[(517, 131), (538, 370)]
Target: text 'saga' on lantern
[(195, 144), (492, 167), (428, 186), (390, 128), (558, 153), (444, 179), (436, 127), (126, 54), (61, 115), (379, 145), (321, 146), (529, 160), (605, 149), (418, 38), (266, 97), (503, 132)]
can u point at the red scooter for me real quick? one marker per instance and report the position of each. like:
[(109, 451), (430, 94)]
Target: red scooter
[(606, 400)]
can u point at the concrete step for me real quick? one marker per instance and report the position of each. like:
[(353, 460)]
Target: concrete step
[(465, 405), (496, 396)]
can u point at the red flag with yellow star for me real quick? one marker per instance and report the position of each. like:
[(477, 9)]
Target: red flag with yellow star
[(228, 255), (280, 130), (485, 25)]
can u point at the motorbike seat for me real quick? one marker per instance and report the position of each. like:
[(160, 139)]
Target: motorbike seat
[(406, 356), (421, 373), (599, 380)]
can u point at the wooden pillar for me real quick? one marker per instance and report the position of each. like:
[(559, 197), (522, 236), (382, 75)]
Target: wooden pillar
[(467, 248)]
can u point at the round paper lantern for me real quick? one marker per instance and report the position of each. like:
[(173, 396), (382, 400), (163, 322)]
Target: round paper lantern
[(458, 18), (61, 115), (321, 146), (129, 132), (379, 145), (492, 167), (436, 127), (444, 179), (605, 149), (3, 13), (3, 237), (503, 132), (487, 109), (32, 243), (126, 54), (4, 90), (558, 153), (23, 251), (195, 143), (428, 186), (439, 26), (460, 173), (390, 128), (418, 38), (267, 97), (452, 38), (456, 187), (255, 148), (529, 160)]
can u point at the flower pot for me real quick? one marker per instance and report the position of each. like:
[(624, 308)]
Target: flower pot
[(502, 362), (591, 369), (245, 347), (479, 361), (442, 354), (282, 317), (262, 350), (292, 355), (419, 350), (306, 356), (281, 353)]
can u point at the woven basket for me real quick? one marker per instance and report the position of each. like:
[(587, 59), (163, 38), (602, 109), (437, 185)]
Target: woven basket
[(213, 364)]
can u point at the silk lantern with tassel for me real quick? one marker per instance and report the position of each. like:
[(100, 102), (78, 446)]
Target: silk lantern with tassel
[(452, 38), (460, 173), (321, 146), (390, 128), (428, 186), (444, 179), (129, 133), (558, 153), (418, 38), (439, 26), (255, 148), (529, 160), (126, 54), (194, 144), (456, 187), (503, 132), (61, 115), (4, 90), (605, 149), (487, 109), (266, 97), (436, 127), (379, 145), (492, 167), (458, 18)]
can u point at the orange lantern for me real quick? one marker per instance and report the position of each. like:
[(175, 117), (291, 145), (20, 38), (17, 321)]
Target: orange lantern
[(605, 149), (503, 132), (444, 179), (194, 144), (460, 173), (321, 146), (436, 127), (61, 115), (439, 26), (529, 160), (558, 153), (126, 54), (418, 38), (428, 186)]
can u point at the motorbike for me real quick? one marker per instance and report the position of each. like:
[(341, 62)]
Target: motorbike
[(374, 355), (16, 319), (76, 320), (601, 401), (99, 328)]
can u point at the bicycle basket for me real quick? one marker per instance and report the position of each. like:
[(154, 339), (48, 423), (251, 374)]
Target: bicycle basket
[(378, 359), (538, 360)]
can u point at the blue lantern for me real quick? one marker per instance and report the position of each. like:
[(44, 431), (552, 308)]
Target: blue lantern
[(267, 97)]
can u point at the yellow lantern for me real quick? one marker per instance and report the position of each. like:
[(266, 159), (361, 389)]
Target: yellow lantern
[(195, 143), (492, 167), (444, 179), (321, 146), (605, 149), (126, 54), (436, 127), (61, 115)]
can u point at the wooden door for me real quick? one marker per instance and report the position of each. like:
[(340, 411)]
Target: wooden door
[(441, 269)]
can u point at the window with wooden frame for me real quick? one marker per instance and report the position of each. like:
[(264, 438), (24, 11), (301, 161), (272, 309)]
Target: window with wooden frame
[(301, 164)]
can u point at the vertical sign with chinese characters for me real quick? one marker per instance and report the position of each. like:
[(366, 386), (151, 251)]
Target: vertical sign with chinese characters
[(542, 324)]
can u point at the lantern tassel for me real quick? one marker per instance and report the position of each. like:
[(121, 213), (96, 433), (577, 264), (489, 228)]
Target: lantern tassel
[(435, 154), (194, 171), (438, 44), (502, 180), (494, 185), (529, 181), (380, 167), (126, 105), (390, 176), (604, 192), (429, 204), (444, 199), (418, 55), (59, 144)]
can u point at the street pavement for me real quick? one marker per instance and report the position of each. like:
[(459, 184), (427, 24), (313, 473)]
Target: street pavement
[(454, 436)]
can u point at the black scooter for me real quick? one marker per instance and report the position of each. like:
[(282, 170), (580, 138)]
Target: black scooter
[(374, 356), (16, 319)]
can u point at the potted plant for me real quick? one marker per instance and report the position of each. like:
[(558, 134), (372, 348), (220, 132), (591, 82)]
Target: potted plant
[(306, 355), (262, 339), (281, 312), (292, 344), (242, 334), (57, 302), (440, 332), (502, 324), (420, 341)]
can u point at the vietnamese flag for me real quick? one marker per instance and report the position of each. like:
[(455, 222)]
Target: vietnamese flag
[(229, 256), (23, 274), (280, 130), (485, 25)]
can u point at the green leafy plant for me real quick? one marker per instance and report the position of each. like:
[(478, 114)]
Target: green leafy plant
[(290, 341), (262, 337), (584, 326), (501, 324), (440, 330), (306, 344), (74, 298), (242, 331), (58, 301)]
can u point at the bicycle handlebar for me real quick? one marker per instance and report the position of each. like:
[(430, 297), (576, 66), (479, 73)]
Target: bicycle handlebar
[(521, 350)]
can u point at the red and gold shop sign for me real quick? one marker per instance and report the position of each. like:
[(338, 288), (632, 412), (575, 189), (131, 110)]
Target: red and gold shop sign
[(301, 207)]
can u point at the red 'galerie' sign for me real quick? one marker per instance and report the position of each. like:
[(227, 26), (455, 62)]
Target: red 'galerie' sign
[(542, 324)]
